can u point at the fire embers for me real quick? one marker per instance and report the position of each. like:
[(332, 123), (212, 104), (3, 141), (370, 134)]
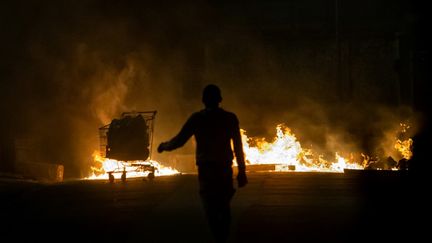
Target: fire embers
[(385, 163)]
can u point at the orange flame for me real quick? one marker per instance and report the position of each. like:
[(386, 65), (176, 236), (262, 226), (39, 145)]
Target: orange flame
[(287, 151), (404, 146), (132, 168)]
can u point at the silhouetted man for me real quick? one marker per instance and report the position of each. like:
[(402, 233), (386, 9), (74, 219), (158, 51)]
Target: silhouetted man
[(214, 129)]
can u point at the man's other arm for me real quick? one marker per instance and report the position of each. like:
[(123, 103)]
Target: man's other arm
[(238, 151)]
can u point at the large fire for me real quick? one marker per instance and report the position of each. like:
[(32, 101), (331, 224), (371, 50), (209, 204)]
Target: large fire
[(285, 152)]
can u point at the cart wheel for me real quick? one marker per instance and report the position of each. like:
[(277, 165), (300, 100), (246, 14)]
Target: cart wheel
[(111, 177), (123, 177), (151, 175)]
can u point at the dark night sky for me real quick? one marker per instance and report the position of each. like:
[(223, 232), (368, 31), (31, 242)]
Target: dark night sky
[(69, 67)]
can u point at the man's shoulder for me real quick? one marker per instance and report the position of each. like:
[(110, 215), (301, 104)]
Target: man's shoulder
[(217, 112), (229, 115), (196, 115)]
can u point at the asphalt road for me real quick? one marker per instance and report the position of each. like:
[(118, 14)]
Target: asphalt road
[(273, 207)]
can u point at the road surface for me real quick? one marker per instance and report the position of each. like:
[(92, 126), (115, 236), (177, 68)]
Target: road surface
[(274, 207)]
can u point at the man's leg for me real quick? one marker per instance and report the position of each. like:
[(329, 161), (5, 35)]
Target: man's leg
[(218, 215), (216, 190)]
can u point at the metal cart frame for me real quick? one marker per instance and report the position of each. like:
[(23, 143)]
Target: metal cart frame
[(147, 165)]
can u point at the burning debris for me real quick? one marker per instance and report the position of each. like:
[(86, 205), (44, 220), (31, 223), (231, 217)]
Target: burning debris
[(404, 144), (126, 148), (284, 153), (128, 138), (113, 169), (287, 153)]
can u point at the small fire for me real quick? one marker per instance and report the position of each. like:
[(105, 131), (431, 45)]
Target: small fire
[(404, 146), (132, 168)]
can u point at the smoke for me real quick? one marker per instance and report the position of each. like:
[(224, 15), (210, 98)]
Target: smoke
[(352, 129), (296, 84), (73, 67)]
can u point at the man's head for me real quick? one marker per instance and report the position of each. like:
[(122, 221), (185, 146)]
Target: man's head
[(211, 96)]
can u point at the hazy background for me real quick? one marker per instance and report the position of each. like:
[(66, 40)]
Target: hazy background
[(335, 72)]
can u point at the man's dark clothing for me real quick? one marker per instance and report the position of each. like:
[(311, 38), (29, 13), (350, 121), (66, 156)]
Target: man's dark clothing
[(214, 128)]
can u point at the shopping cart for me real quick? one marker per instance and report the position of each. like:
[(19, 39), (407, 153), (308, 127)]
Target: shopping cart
[(129, 140)]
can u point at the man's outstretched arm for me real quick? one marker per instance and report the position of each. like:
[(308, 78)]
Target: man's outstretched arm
[(180, 139)]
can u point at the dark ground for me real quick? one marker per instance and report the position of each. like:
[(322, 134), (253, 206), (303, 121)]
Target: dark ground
[(274, 207)]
